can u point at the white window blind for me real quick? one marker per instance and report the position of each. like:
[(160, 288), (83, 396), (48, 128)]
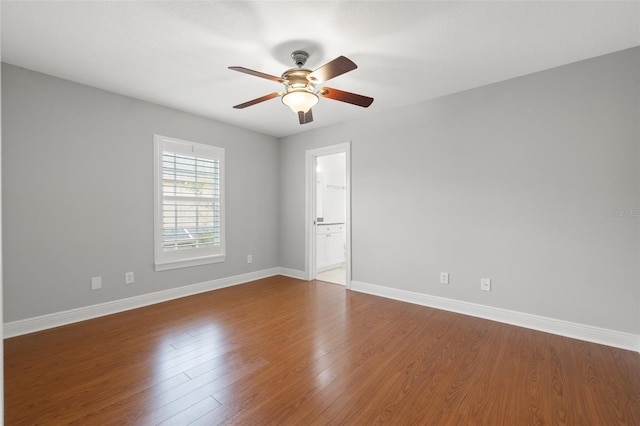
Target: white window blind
[(189, 207)]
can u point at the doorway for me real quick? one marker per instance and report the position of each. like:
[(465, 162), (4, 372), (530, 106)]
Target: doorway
[(329, 214)]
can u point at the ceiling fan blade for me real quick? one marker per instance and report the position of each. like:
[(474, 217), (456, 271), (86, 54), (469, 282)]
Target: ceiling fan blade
[(338, 66), (348, 97), (305, 117), (258, 100), (257, 74)]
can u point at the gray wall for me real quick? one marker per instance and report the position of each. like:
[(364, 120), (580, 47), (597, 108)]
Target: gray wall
[(521, 181), (78, 194), (533, 182)]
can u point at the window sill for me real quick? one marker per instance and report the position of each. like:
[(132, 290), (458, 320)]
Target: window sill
[(188, 263)]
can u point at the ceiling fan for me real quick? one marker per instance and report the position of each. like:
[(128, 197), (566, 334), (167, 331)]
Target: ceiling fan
[(300, 92)]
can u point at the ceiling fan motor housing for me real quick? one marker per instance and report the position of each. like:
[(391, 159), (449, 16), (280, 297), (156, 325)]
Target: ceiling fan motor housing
[(296, 78)]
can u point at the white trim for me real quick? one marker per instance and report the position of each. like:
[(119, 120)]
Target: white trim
[(31, 325), (310, 201), (1, 282), (309, 209), (294, 273), (585, 332)]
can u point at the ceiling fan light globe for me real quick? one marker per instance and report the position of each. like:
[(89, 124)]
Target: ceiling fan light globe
[(300, 100)]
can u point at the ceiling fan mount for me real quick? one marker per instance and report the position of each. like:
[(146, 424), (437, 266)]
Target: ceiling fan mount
[(300, 92), (300, 58)]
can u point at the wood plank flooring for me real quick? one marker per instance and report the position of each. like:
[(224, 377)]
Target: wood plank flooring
[(282, 351)]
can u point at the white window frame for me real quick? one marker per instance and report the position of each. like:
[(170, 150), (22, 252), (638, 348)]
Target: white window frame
[(172, 259)]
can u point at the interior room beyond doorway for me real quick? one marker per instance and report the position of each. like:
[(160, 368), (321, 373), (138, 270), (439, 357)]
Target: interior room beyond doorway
[(331, 208)]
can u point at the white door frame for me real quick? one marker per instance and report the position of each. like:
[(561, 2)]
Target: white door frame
[(310, 208)]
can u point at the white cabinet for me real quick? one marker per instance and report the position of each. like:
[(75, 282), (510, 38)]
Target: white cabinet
[(330, 246)]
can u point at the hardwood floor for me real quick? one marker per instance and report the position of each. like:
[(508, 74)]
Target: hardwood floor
[(283, 351)]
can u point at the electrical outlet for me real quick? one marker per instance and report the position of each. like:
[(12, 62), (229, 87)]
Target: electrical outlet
[(96, 283), (444, 278), (485, 284), (128, 278), (249, 258)]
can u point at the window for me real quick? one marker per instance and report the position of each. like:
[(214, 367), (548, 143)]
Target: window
[(189, 203)]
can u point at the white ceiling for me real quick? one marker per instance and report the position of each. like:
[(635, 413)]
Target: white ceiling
[(176, 53)]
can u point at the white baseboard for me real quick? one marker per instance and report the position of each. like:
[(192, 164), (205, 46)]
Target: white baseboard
[(293, 273), (584, 332), (30, 325), (563, 328)]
